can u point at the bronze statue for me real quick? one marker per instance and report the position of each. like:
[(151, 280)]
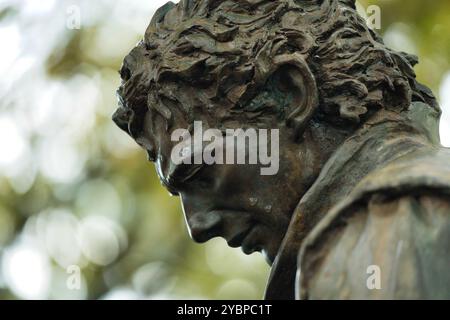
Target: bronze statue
[(363, 183)]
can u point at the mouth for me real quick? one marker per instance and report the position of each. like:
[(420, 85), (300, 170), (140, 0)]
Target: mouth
[(243, 232), (245, 240)]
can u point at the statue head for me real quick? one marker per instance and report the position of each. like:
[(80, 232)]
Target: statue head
[(311, 69)]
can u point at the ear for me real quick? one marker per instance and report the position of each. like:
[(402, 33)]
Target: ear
[(295, 78)]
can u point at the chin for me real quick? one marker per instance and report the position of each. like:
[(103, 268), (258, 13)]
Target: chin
[(268, 256), (270, 251)]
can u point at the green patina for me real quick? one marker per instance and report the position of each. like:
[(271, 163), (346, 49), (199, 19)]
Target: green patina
[(271, 96)]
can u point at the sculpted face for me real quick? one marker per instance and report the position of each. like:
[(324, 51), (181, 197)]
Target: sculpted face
[(311, 69), (234, 201)]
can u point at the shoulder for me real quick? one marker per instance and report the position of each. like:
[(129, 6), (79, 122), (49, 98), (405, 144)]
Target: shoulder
[(395, 226)]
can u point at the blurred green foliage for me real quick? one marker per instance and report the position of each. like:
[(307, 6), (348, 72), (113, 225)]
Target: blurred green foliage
[(79, 192)]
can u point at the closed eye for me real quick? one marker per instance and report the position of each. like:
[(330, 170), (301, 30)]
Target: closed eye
[(183, 174)]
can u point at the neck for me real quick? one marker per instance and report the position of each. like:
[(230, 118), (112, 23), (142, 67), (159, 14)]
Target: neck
[(382, 139)]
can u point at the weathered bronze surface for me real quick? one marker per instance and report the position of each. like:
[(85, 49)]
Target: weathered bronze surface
[(362, 181)]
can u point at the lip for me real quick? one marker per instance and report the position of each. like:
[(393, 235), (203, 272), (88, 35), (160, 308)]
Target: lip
[(249, 245), (239, 239)]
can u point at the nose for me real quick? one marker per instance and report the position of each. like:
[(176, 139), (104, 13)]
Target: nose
[(122, 117), (202, 224)]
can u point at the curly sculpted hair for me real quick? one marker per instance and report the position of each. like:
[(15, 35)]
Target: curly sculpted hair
[(224, 47)]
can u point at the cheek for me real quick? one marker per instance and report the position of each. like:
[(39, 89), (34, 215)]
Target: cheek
[(266, 197), (237, 184), (270, 199), (233, 178)]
